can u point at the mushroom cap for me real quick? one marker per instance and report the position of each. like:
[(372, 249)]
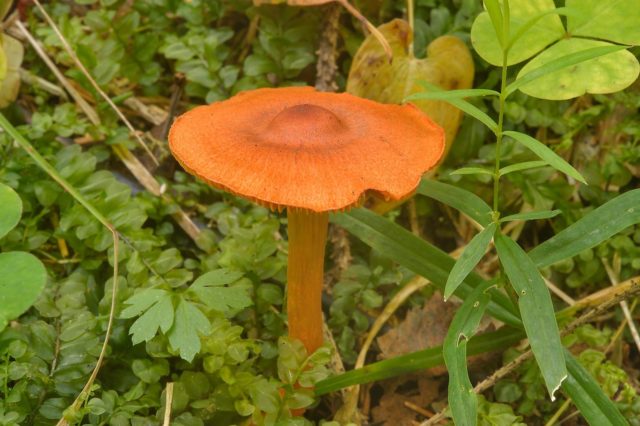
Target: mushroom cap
[(297, 147)]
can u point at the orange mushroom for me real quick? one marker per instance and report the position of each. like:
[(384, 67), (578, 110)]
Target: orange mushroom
[(311, 153)]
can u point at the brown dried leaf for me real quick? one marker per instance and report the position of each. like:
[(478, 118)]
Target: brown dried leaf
[(392, 410), (448, 64), (422, 328)]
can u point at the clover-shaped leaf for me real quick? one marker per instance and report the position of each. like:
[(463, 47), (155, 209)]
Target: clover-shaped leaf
[(612, 20), (605, 74), (545, 31)]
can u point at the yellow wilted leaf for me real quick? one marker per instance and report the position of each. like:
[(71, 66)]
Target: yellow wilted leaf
[(448, 64), (12, 51)]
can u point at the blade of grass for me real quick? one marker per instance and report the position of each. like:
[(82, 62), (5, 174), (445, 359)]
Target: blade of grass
[(588, 397), (428, 358), (472, 171), (526, 165), (441, 95)]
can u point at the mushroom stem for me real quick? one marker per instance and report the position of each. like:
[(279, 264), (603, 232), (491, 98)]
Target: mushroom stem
[(305, 275)]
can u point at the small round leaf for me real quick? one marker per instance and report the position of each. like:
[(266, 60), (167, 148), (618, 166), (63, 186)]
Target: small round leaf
[(22, 278), (605, 74), (10, 209)]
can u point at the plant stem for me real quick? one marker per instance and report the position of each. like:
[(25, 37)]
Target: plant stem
[(496, 172), (305, 275)]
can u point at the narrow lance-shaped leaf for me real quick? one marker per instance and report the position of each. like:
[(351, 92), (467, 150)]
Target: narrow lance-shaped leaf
[(545, 153), (450, 94), (497, 20), (594, 228), (536, 310), (537, 215), (462, 400), (469, 258), (526, 165), (472, 171), (458, 198)]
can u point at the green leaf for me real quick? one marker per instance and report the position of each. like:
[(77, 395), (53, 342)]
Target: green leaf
[(612, 20), (546, 154), (421, 360), (22, 279), (525, 165), (573, 67), (472, 171), (536, 310), (462, 400), (458, 198), (497, 20), (594, 228), (545, 31), (537, 215), (469, 258), (141, 301), (450, 94), (189, 323), (474, 112), (159, 315), (596, 408), (416, 254), (211, 288), (13, 51), (11, 209)]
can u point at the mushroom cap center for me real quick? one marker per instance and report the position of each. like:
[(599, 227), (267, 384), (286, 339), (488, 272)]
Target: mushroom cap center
[(306, 119)]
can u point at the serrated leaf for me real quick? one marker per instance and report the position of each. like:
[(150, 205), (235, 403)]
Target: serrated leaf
[(613, 20), (546, 154), (22, 279), (188, 325), (576, 66), (462, 400), (211, 288), (545, 31), (537, 215), (141, 301), (469, 258), (159, 316), (11, 209), (536, 310), (448, 65)]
